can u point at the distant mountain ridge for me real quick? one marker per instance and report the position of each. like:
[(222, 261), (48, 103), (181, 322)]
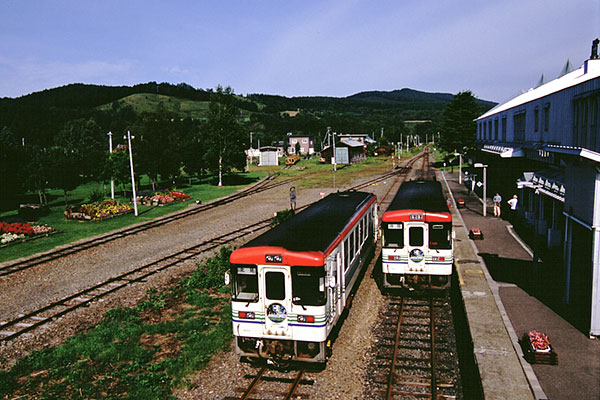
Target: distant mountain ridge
[(407, 96), (89, 95)]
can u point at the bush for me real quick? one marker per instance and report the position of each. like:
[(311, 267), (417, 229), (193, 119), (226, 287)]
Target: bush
[(96, 196), (281, 216), (210, 275)]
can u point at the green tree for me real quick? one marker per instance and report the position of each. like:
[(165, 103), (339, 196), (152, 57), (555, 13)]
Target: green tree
[(62, 166), (458, 127), (157, 141), (192, 147), (11, 167), (224, 134), (85, 142), (36, 175), (118, 165)]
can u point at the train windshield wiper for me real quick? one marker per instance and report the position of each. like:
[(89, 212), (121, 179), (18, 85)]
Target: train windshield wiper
[(296, 300)]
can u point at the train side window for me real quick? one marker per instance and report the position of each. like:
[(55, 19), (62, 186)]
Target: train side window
[(346, 254), (308, 286), (245, 283), (440, 236), (352, 241), (359, 233), (364, 225), (275, 284), (393, 235), (415, 236)]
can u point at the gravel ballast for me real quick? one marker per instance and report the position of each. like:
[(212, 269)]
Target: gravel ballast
[(344, 374)]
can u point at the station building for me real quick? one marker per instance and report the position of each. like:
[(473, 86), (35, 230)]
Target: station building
[(545, 145)]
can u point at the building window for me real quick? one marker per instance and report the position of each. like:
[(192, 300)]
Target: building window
[(536, 120), (519, 127), (546, 117), (594, 123), (496, 129), (490, 128), (304, 140), (484, 130), (504, 128)]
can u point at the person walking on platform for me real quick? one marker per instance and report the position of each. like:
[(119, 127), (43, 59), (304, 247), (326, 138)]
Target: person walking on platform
[(513, 207), (497, 199)]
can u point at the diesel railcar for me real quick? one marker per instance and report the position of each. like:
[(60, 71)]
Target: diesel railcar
[(291, 284), (417, 238)]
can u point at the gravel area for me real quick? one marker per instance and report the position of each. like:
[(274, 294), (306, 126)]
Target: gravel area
[(344, 374)]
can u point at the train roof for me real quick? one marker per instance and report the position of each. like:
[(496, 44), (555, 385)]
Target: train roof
[(419, 196), (309, 236)]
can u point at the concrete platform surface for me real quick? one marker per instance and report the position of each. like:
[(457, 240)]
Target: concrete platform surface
[(527, 296)]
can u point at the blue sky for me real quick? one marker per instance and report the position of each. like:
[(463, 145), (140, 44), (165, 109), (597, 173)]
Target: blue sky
[(295, 48)]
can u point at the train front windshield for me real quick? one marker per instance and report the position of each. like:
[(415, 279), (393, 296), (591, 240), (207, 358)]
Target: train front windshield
[(440, 236), (308, 286), (245, 283), (393, 235)]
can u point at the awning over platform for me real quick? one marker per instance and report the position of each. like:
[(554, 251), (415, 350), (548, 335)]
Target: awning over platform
[(575, 151), (504, 151), (547, 181)]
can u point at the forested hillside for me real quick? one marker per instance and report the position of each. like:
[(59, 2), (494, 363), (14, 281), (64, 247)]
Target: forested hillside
[(57, 138)]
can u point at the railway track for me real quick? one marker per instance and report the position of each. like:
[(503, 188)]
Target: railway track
[(271, 384), (13, 267), (24, 323), (30, 321), (417, 357)]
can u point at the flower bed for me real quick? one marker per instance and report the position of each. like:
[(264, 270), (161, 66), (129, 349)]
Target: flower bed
[(17, 232), (162, 198), (98, 211)]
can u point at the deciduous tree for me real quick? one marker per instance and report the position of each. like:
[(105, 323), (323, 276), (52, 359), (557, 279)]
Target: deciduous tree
[(224, 134)]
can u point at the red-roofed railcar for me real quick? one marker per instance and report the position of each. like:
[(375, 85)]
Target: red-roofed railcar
[(291, 284), (417, 238)]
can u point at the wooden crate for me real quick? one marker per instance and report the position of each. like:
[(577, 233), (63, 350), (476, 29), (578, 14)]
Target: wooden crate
[(534, 356), (476, 234)]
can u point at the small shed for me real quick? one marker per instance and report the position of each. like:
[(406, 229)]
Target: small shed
[(346, 151), (268, 156)]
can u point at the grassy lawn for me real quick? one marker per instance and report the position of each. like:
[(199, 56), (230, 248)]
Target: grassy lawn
[(141, 352), (76, 230)]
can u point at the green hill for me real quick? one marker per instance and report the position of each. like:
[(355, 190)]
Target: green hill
[(39, 116)]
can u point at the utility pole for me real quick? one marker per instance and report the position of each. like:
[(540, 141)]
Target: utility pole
[(112, 181), (129, 137)]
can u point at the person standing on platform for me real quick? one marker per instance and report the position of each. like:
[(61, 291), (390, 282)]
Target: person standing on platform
[(513, 207), (293, 198), (497, 199)]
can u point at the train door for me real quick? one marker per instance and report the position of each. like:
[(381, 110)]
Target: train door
[(415, 236), (277, 291), (331, 282)]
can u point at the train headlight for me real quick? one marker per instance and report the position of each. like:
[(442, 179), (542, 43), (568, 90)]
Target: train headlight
[(392, 258), (434, 258), (306, 318), (246, 314)]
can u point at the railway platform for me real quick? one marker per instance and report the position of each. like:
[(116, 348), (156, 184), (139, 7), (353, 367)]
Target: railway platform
[(507, 294)]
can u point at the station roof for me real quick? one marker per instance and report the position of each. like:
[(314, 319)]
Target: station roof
[(563, 82)]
